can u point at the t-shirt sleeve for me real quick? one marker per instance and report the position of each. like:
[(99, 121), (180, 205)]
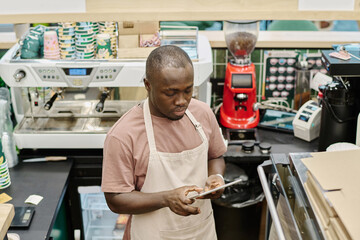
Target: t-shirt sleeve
[(117, 172), (217, 146)]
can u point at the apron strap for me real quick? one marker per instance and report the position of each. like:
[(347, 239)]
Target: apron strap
[(150, 130), (149, 126), (196, 124)]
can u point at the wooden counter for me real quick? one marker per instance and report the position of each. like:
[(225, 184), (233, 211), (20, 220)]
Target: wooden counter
[(176, 10), (6, 215)]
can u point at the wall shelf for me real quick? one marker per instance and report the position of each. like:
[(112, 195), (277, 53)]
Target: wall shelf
[(176, 10), (290, 39)]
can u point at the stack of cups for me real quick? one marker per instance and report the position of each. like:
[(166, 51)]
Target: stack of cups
[(51, 45), (4, 172), (85, 40), (32, 46), (96, 28), (67, 40), (111, 29), (103, 50)]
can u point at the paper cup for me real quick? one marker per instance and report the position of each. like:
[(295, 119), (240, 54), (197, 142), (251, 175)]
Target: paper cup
[(84, 24)]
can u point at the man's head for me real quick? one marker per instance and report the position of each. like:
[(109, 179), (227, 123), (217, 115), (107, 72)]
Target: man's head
[(169, 81)]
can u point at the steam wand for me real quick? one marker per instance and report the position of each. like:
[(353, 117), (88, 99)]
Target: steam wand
[(30, 101)]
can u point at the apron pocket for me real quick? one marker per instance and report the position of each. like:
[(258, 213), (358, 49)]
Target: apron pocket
[(201, 231)]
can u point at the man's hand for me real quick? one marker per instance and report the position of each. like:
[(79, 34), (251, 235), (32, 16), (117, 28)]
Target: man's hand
[(212, 182), (179, 203)]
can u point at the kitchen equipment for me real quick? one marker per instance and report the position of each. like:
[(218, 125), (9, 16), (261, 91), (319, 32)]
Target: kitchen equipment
[(23, 217), (341, 101), (67, 104), (306, 123), (239, 109), (290, 215)]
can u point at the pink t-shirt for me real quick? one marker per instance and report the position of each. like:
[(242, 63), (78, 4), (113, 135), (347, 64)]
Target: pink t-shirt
[(126, 150)]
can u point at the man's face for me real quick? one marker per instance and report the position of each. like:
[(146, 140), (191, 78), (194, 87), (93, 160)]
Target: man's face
[(170, 91)]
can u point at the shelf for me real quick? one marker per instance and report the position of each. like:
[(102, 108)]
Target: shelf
[(201, 10), (290, 39)]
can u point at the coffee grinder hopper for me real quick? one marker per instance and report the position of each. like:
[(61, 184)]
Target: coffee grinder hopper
[(241, 38)]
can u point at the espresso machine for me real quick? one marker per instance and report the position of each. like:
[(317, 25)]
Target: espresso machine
[(239, 111), (71, 104)]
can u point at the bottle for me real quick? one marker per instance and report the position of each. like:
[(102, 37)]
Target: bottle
[(6, 128), (9, 149)]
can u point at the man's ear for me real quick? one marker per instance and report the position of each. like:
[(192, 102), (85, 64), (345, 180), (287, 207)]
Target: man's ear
[(147, 85)]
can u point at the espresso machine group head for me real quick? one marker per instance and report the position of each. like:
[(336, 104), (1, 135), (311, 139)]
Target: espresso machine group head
[(240, 109)]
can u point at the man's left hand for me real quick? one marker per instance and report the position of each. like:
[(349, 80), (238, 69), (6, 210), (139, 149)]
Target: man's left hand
[(213, 181)]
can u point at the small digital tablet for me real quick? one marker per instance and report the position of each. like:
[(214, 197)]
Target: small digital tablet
[(216, 189)]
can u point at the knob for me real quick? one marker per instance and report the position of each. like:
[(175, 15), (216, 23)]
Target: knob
[(265, 147), (242, 96), (248, 147), (20, 74), (256, 107)]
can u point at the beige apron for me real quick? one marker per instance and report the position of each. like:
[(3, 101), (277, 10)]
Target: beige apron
[(167, 171)]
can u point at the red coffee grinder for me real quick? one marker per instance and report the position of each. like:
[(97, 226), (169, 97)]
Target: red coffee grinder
[(239, 110)]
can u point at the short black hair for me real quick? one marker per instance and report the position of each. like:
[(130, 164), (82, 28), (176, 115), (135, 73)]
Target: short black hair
[(166, 56)]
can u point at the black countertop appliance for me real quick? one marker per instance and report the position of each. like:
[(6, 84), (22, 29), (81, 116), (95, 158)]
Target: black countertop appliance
[(341, 100)]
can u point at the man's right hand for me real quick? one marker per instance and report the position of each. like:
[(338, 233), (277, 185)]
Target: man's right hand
[(179, 203)]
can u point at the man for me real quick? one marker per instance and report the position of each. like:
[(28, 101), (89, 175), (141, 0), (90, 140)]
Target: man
[(162, 150)]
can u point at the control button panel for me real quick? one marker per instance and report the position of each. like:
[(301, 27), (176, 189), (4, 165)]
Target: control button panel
[(107, 73), (51, 74)]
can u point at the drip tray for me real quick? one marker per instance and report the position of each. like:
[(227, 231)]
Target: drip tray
[(65, 125)]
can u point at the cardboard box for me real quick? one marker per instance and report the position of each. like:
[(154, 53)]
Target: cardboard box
[(134, 52), (138, 27), (337, 175), (129, 41), (129, 35)]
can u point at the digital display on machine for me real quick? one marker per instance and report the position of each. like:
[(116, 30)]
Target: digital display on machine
[(312, 108), (304, 118), (77, 71), (241, 81)]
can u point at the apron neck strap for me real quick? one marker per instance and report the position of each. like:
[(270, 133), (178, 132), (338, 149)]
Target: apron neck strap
[(149, 126), (150, 130), (197, 125)]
